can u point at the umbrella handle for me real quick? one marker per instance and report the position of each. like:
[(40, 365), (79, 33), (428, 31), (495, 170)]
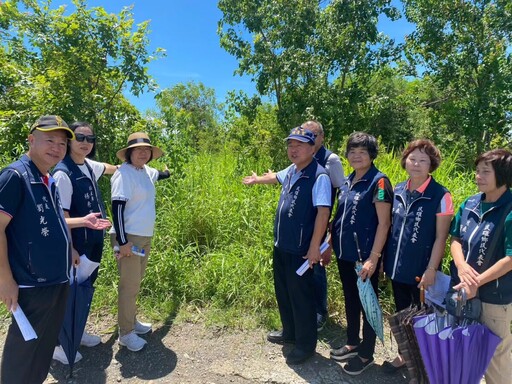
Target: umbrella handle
[(422, 290), (357, 246)]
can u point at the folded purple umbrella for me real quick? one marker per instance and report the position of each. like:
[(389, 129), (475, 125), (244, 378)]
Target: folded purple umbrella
[(480, 350), (454, 354)]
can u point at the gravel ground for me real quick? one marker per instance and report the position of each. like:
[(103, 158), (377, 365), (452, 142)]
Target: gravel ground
[(194, 353)]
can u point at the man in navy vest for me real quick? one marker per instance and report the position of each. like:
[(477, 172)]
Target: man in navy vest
[(299, 228), (332, 164), (35, 252)]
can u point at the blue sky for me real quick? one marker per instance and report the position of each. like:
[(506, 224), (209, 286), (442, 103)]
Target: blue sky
[(187, 30)]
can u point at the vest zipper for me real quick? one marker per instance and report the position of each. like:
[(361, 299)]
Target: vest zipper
[(64, 230), (344, 213)]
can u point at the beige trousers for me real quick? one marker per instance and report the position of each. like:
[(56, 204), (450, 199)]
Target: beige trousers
[(131, 271), (499, 318)]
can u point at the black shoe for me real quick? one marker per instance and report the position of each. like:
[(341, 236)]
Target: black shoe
[(297, 356), (356, 366), (321, 320), (390, 369), (343, 353), (276, 337)]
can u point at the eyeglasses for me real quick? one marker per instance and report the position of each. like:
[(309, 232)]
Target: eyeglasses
[(80, 137)]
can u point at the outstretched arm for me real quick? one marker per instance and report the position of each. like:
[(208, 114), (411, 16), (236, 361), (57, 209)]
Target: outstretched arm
[(267, 178), (165, 174), (92, 221), (109, 168)]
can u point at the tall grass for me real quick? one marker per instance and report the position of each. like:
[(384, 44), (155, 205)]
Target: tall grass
[(211, 256)]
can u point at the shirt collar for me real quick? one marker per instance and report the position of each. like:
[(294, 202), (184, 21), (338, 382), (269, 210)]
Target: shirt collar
[(422, 187)]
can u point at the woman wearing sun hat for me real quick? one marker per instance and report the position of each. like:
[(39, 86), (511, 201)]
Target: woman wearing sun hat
[(133, 214)]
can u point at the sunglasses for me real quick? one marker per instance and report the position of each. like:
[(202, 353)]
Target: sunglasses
[(80, 137)]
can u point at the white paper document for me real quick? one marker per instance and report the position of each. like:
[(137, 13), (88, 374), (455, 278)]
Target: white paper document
[(304, 267), (25, 327), (437, 292), (84, 269)]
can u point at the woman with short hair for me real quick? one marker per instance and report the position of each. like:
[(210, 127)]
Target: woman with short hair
[(364, 209), (490, 275), (422, 211)]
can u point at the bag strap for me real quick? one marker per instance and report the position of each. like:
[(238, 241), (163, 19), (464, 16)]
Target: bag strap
[(497, 237)]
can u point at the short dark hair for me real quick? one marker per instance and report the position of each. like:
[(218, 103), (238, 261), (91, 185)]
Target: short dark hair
[(363, 140), (501, 161), (128, 155), (426, 146), (79, 124)]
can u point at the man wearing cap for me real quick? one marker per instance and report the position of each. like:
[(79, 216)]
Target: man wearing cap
[(35, 251), (332, 164), (300, 224)]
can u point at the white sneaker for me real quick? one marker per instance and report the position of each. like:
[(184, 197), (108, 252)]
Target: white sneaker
[(141, 328), (89, 340), (60, 355), (133, 342)]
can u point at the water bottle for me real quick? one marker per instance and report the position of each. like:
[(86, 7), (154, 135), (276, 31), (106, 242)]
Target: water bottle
[(135, 250), (138, 251)]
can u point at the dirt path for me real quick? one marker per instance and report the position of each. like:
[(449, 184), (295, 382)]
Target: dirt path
[(193, 353)]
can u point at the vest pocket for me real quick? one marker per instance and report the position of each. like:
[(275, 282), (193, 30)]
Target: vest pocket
[(31, 267)]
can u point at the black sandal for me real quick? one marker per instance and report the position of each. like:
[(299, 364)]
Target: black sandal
[(390, 369)]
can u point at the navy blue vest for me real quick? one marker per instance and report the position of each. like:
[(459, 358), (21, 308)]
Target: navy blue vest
[(476, 233), (39, 246), (295, 217), (86, 198), (413, 232), (356, 213)]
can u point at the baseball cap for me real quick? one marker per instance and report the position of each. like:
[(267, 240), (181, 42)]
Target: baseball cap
[(302, 134), (52, 123)]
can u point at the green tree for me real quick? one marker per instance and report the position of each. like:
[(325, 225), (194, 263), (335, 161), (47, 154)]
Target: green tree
[(76, 65), (463, 49), (190, 114), (311, 56)]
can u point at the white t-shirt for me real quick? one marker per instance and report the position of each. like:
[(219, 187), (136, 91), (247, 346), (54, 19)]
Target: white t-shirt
[(64, 185), (137, 188)]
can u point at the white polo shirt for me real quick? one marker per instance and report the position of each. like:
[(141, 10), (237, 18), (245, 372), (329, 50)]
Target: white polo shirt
[(137, 188)]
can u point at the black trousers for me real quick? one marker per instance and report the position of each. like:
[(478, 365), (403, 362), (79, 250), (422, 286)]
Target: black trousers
[(405, 295), (320, 279), (354, 310), (296, 300), (28, 362)]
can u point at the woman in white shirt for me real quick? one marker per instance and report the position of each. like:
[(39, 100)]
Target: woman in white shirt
[(133, 214)]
